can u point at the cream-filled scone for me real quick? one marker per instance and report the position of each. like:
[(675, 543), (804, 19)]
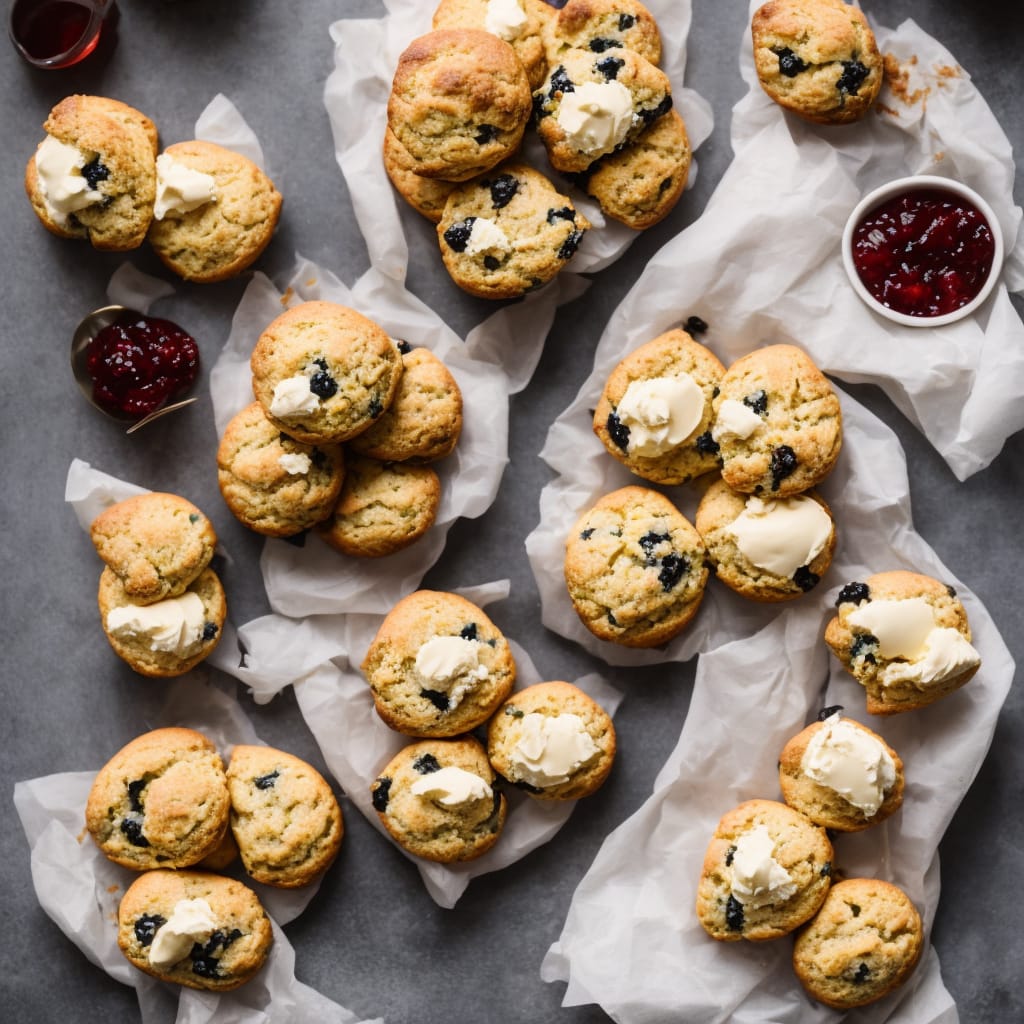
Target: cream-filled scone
[(841, 774), (438, 666), (905, 638), (552, 740), (439, 799), (766, 871), (767, 549)]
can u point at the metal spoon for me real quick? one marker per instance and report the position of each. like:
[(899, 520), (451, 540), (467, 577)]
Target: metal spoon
[(87, 329)]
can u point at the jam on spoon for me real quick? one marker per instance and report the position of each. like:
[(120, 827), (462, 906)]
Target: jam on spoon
[(924, 253)]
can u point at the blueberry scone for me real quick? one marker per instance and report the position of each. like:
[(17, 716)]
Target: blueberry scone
[(273, 484), (778, 423), (635, 568), (160, 801), (94, 174), (864, 942), (439, 799), (655, 409), (156, 544), (426, 196), (193, 928), (552, 740), (817, 58), (459, 102), (438, 666), (284, 816), (765, 548), (508, 232), (841, 774), (594, 103), (904, 637), (215, 211), (604, 26), (323, 372), (766, 871)]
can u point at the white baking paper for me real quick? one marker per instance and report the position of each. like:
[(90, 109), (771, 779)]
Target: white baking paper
[(762, 266), (79, 889), (356, 97)]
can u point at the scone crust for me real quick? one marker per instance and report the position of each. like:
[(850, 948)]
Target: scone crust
[(719, 508), (260, 491), (222, 238), (824, 806), (237, 950), (403, 700), (160, 801), (362, 361), (125, 142), (864, 942), (542, 226), (424, 421), (552, 699), (136, 651), (817, 58), (383, 507), (425, 827), (459, 102), (426, 196), (801, 848), (671, 354), (898, 584), (799, 441), (284, 816), (156, 543), (635, 568)]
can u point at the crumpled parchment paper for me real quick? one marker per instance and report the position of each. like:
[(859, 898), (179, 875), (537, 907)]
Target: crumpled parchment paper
[(762, 266)]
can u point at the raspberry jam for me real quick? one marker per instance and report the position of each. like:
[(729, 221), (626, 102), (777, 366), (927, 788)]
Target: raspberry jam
[(138, 363), (924, 253)]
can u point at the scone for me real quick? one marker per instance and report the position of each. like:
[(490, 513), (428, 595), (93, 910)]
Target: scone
[(864, 942), (164, 638), (593, 103), (323, 372), (517, 22), (656, 407), (160, 801), (604, 26), (459, 102), (634, 568), (438, 666), (155, 543), (905, 638), (194, 928), (284, 816), (426, 196), (552, 740), (841, 774), (439, 800), (383, 507), (817, 58), (508, 232), (640, 184), (273, 484), (766, 871), (215, 211), (767, 549), (424, 421), (94, 174), (778, 423)]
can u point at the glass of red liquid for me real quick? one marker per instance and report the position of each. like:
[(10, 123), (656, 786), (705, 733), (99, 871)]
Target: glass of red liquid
[(57, 33)]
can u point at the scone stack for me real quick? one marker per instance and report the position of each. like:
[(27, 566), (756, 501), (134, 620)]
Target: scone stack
[(162, 606), (442, 674), (463, 96), (342, 434), (99, 174), (164, 806)]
